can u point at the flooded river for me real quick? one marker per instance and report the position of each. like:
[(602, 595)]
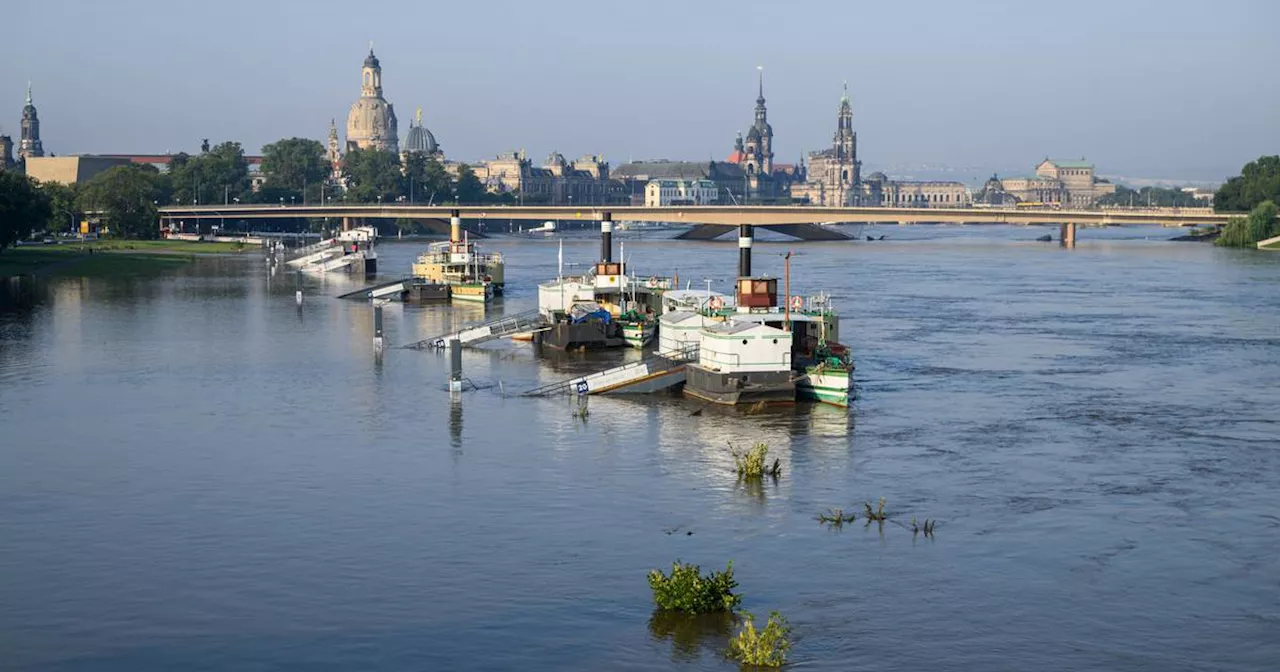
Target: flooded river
[(197, 473)]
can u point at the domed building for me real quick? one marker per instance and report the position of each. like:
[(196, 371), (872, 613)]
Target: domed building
[(419, 140), (372, 121)]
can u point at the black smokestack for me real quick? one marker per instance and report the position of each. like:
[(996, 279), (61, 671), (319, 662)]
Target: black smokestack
[(744, 250), (606, 238)]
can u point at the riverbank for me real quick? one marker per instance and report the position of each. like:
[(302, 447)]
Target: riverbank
[(108, 257)]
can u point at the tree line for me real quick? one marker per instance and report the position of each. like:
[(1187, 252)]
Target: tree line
[(294, 171)]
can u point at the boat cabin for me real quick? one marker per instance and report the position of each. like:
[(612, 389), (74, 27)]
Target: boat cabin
[(756, 294)]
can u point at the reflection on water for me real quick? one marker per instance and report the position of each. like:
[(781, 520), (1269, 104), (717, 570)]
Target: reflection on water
[(194, 467), (692, 635)]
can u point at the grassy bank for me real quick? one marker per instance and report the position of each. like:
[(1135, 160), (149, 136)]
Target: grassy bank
[(107, 257)]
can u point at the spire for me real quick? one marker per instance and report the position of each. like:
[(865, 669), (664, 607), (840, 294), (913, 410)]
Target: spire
[(28, 92), (760, 99), (417, 117), (844, 99)]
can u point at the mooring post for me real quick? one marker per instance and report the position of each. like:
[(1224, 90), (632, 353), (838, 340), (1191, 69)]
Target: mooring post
[(1067, 234), (377, 328), (455, 366)]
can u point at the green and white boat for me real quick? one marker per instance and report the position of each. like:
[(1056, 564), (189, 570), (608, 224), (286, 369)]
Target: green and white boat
[(637, 329), (829, 378)]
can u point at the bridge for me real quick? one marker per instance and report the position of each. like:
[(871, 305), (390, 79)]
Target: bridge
[(711, 221)]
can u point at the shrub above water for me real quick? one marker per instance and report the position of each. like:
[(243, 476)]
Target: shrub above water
[(751, 464), (767, 647), (689, 591)]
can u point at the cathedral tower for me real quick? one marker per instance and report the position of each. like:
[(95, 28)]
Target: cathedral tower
[(845, 142), (30, 144)]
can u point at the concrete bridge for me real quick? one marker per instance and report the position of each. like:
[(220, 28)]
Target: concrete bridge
[(711, 220)]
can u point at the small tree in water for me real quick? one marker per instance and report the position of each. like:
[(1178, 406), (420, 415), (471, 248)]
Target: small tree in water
[(766, 647), (687, 590)]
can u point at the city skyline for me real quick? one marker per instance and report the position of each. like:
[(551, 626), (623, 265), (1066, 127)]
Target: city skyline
[(938, 98)]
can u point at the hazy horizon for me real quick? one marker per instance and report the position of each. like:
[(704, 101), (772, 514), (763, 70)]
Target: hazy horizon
[(1172, 90)]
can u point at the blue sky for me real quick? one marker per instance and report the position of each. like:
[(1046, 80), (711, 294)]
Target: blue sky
[(1170, 89)]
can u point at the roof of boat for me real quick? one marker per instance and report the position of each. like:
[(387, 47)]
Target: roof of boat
[(760, 318), (739, 327)]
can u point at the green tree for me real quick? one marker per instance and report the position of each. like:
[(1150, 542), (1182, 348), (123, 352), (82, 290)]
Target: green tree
[(426, 180), (216, 176), (23, 207), (1260, 224), (468, 188), (63, 214), (297, 166), (1258, 181), (126, 196), (1153, 196), (372, 175)]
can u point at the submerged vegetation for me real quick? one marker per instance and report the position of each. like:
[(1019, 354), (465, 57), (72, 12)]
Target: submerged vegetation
[(766, 647), (750, 464), (878, 514), (687, 590), (836, 517)]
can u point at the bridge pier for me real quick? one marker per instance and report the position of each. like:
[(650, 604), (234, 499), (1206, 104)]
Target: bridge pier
[(1067, 234), (606, 237), (746, 235)]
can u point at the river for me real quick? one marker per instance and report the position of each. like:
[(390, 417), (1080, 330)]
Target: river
[(197, 473)]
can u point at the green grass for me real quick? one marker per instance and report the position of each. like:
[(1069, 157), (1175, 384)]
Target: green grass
[(75, 260), (163, 246)]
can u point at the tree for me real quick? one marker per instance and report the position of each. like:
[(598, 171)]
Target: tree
[(468, 188), (1154, 196), (62, 203), (297, 166), (372, 175), (426, 179), (23, 207), (215, 176), (1260, 224), (126, 196), (1258, 181)]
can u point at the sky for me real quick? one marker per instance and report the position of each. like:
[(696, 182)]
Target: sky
[(1181, 90)]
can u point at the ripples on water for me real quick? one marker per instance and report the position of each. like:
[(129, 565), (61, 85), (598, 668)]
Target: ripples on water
[(199, 474)]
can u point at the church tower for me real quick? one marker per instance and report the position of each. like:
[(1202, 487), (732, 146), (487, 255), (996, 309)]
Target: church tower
[(30, 144), (845, 143), (759, 144), (334, 154)]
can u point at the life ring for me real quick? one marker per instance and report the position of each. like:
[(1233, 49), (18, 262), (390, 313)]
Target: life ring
[(797, 302), (653, 282)]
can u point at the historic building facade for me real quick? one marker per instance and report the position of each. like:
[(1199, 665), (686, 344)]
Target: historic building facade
[(30, 144), (659, 193), (1066, 183), (834, 176), (556, 182), (372, 120)]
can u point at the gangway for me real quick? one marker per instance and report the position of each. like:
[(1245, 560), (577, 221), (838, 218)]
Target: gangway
[(530, 320), (314, 258), (651, 374), (380, 290), (314, 247)]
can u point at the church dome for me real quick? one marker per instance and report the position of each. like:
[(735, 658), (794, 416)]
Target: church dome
[(371, 61), (754, 133), (372, 123), (419, 139)]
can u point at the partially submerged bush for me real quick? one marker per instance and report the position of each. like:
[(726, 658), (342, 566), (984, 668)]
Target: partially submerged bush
[(878, 514), (767, 647), (751, 463), (689, 591), (836, 517)]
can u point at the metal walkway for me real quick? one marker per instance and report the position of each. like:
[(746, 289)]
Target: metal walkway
[(313, 258), (380, 290), (530, 320), (651, 374)]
